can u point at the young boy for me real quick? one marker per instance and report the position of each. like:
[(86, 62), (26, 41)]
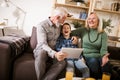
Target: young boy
[(64, 40)]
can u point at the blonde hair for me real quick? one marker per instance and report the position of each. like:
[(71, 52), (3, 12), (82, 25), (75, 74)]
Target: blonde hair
[(100, 23), (59, 11)]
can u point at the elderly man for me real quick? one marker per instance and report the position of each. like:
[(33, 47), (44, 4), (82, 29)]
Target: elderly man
[(47, 33)]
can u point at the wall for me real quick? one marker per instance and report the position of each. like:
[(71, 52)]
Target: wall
[(36, 10)]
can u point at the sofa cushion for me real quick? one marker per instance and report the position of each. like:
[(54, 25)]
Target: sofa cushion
[(24, 68), (1, 32), (33, 39), (114, 52)]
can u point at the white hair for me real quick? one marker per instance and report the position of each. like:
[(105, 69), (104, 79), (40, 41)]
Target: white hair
[(59, 11), (100, 23)]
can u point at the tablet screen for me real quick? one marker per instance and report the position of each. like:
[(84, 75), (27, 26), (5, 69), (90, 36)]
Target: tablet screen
[(72, 52)]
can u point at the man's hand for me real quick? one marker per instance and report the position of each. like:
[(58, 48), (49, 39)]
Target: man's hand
[(105, 59), (60, 56), (75, 40)]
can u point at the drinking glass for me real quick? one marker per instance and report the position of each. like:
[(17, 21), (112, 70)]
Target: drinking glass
[(106, 76), (69, 75)]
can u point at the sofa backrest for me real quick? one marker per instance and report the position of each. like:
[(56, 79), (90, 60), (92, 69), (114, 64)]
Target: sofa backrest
[(33, 39), (114, 52)]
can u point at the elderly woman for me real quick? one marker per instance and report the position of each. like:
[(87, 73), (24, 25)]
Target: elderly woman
[(94, 43)]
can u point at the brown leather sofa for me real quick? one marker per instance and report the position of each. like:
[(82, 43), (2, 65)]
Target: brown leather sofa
[(21, 67), (115, 62), (5, 63), (8, 56)]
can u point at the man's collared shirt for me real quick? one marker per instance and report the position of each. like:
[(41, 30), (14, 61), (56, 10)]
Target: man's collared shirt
[(47, 34)]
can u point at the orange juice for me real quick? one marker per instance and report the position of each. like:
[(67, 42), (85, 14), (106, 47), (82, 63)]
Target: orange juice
[(106, 76), (69, 75)]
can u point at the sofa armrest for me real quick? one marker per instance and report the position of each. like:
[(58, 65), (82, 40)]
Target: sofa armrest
[(17, 43), (10, 48), (5, 61)]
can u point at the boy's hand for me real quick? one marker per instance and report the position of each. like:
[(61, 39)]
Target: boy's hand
[(75, 40)]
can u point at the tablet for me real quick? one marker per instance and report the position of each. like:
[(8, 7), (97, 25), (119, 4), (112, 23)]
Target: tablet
[(72, 52)]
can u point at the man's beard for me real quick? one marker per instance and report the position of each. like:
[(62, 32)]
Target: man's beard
[(57, 24)]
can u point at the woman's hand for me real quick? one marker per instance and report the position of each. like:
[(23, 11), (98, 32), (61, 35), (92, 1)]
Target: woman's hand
[(105, 59)]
